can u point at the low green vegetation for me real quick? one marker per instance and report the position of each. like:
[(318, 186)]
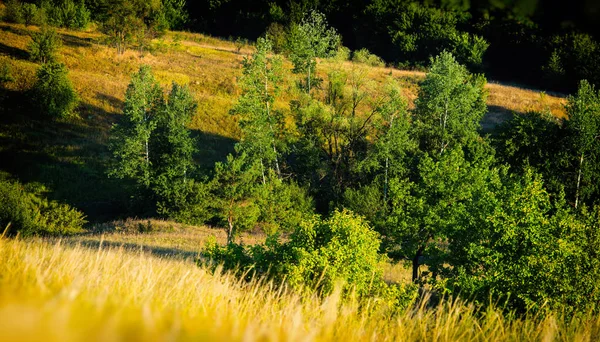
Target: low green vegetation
[(26, 211)]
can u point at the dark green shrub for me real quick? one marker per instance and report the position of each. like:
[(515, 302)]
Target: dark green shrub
[(66, 13), (365, 57), (30, 12), (5, 71), (24, 211), (175, 14), (44, 45), (53, 92), (13, 12), (17, 210), (572, 57), (277, 36)]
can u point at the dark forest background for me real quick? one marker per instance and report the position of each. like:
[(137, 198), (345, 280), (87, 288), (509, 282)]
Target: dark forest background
[(550, 44)]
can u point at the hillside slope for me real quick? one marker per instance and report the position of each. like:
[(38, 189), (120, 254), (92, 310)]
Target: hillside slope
[(70, 157)]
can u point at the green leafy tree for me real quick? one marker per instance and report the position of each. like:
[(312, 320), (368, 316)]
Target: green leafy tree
[(529, 252), (583, 111), (131, 137), (53, 92), (450, 105), (234, 194), (418, 31), (172, 162), (539, 141), (426, 212), (262, 127), (388, 158), (309, 40), (124, 21), (175, 13), (44, 45), (283, 205)]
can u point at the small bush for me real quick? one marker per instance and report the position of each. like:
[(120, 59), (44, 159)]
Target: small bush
[(277, 36), (53, 92), (240, 43), (342, 54), (13, 12), (24, 211), (67, 13), (365, 57), (44, 46), (5, 71), (342, 248), (29, 14)]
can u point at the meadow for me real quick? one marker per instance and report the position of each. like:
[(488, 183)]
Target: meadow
[(57, 290)]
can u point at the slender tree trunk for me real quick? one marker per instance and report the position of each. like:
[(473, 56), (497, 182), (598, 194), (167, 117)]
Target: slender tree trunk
[(229, 230), (415, 264), (444, 126), (387, 167), (578, 181), (262, 166), (308, 80)]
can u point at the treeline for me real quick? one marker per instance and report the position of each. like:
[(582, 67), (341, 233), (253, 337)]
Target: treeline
[(546, 44), (125, 23), (549, 44)]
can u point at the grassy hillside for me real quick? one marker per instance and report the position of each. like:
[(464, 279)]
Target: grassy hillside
[(57, 291), (70, 157)]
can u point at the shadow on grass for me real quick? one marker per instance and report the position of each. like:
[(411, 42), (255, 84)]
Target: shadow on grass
[(71, 157), (14, 30), (162, 252), (14, 52), (74, 41), (495, 117)]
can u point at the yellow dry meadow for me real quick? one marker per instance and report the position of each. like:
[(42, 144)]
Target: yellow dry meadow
[(58, 291)]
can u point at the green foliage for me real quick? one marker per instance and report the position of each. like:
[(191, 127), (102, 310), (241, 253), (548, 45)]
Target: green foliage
[(583, 111), (44, 45), (450, 105), (309, 40), (283, 205), (175, 13), (130, 21), (24, 211), (30, 14), (366, 57), (419, 31), (277, 35), (131, 138), (342, 248), (530, 253), (539, 141), (234, 190), (13, 12), (573, 57), (320, 256), (263, 128), (5, 71), (153, 147), (53, 92)]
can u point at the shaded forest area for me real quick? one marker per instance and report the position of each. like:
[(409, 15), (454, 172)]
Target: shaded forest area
[(550, 44)]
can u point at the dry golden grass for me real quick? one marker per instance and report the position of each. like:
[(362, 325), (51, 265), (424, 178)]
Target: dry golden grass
[(53, 291), (210, 67), (159, 237)]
